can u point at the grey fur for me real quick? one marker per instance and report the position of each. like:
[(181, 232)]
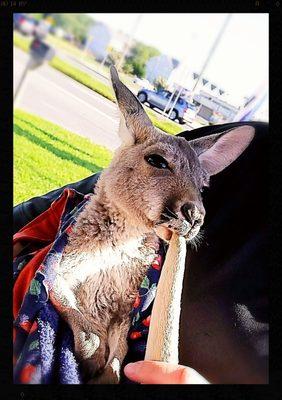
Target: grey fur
[(116, 236)]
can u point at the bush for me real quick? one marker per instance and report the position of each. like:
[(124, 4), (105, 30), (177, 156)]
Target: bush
[(113, 57), (127, 68), (160, 83)]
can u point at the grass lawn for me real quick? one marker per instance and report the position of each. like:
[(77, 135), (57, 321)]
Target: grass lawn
[(46, 156), (94, 84), (22, 42)]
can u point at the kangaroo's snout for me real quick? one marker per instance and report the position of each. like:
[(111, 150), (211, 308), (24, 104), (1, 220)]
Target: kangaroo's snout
[(193, 214), (185, 220)]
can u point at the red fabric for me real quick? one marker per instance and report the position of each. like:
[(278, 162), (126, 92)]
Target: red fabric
[(42, 229), (25, 277)]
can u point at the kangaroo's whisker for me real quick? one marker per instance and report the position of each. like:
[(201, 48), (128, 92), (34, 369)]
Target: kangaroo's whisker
[(171, 213)]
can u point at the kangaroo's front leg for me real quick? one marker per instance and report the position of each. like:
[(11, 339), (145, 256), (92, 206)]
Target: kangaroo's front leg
[(90, 343), (117, 340), (89, 339)]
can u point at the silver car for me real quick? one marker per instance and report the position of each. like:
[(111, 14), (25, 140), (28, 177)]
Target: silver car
[(160, 99)]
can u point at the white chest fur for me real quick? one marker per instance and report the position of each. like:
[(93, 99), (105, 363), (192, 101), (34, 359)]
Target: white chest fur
[(109, 275), (77, 266)]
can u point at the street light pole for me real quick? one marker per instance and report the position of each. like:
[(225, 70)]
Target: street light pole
[(180, 90), (211, 52), (175, 101), (168, 103)]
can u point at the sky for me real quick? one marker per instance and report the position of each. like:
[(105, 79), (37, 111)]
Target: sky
[(239, 64)]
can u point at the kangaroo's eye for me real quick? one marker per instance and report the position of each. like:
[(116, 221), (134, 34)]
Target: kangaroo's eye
[(156, 161)]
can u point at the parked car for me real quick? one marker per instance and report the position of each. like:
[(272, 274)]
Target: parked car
[(191, 112), (25, 24), (160, 99), (17, 18)]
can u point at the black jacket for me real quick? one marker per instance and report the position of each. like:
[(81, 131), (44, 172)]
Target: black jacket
[(224, 321)]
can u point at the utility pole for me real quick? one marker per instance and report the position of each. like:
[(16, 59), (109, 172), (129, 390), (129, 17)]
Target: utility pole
[(180, 90), (211, 52), (129, 42), (178, 94), (175, 101), (168, 103)]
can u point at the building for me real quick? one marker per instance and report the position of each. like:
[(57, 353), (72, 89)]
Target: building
[(159, 66), (213, 109), (120, 40), (99, 38)]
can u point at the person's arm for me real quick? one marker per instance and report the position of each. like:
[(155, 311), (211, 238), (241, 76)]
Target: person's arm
[(25, 212)]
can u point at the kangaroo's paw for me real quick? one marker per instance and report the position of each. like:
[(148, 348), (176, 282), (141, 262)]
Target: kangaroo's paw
[(91, 354), (110, 374)]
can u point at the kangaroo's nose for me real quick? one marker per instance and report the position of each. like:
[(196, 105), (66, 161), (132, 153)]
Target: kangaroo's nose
[(192, 214)]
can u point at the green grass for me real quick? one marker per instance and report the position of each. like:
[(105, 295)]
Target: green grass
[(94, 84), (21, 42), (80, 54), (46, 156), (164, 124), (83, 77)]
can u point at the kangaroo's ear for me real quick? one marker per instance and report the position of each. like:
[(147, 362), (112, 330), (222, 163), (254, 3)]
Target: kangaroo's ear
[(217, 151), (135, 125)]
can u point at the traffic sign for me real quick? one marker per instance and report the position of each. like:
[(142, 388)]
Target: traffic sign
[(41, 51)]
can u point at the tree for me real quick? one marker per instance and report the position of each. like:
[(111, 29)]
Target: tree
[(76, 24), (139, 55), (114, 56), (127, 68), (160, 83), (37, 16)]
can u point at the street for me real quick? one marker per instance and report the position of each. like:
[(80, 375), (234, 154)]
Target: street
[(60, 99)]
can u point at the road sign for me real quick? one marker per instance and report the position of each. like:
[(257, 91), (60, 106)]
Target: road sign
[(39, 53)]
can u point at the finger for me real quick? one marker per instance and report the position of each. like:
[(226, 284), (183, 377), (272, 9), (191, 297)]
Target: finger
[(155, 372)]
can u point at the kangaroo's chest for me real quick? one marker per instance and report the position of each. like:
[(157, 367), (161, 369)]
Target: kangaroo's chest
[(110, 291), (105, 283)]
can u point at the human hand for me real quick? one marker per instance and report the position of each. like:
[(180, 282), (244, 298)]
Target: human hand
[(155, 372)]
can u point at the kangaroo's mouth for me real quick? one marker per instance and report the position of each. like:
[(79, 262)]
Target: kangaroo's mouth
[(165, 230), (171, 222)]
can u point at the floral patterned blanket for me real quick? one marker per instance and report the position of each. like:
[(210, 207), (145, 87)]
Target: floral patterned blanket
[(43, 342)]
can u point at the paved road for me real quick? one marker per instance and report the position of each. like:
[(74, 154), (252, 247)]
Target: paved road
[(84, 66), (62, 100)]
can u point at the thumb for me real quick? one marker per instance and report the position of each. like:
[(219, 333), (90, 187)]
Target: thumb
[(156, 372)]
